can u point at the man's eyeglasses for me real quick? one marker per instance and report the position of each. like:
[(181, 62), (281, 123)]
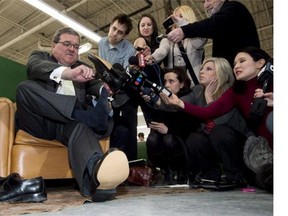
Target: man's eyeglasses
[(68, 44)]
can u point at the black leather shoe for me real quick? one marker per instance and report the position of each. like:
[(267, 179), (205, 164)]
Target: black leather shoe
[(108, 173), (17, 189)]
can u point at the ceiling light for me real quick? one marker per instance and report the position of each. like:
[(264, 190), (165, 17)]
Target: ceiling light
[(64, 19), (84, 48)]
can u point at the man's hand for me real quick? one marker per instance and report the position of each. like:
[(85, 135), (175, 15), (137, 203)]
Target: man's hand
[(81, 73), (176, 35)]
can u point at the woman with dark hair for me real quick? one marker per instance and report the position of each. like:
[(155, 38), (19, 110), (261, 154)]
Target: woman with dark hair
[(147, 43), (248, 63), (165, 143)]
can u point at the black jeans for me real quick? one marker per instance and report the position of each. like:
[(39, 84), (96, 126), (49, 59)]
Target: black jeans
[(126, 117), (222, 145), (166, 151)]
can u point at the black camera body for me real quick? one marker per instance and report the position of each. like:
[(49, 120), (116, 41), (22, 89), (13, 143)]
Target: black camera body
[(119, 79), (168, 23), (265, 77)]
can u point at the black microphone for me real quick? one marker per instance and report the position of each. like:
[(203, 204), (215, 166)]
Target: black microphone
[(133, 60), (118, 66), (120, 71), (137, 60)]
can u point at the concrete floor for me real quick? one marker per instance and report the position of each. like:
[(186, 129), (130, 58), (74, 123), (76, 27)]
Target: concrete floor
[(230, 203)]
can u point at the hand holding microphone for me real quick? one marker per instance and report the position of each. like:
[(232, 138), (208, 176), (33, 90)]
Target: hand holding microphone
[(142, 54)]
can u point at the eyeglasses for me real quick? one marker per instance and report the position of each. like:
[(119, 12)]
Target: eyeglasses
[(68, 44)]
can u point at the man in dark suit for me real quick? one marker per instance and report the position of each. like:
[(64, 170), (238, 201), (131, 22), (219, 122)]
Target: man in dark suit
[(230, 25), (52, 104)]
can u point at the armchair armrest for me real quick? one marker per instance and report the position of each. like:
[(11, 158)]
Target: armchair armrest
[(7, 112)]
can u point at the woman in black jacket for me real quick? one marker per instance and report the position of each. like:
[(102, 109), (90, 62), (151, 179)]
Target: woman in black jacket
[(166, 141)]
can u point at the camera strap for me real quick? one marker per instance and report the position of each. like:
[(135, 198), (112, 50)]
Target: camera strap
[(188, 63)]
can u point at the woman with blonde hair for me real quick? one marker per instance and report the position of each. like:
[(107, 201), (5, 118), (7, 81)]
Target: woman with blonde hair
[(194, 47), (218, 140)]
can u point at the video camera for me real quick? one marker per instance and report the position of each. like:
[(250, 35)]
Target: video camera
[(119, 79), (265, 77)]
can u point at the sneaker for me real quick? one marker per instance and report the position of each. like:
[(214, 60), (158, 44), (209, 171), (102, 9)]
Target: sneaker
[(203, 183), (257, 153), (210, 184), (208, 180)]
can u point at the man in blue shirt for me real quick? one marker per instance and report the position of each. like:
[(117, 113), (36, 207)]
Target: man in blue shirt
[(116, 49)]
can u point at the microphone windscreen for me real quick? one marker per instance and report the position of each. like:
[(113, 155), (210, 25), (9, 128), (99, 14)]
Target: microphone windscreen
[(133, 60), (118, 66), (118, 70)]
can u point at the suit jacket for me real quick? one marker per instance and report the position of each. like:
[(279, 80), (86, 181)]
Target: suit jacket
[(41, 65), (231, 28)]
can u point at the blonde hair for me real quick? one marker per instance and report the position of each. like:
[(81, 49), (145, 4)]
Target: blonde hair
[(187, 13), (224, 74)]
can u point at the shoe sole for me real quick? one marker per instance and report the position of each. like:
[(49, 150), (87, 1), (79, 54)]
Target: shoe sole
[(113, 170)]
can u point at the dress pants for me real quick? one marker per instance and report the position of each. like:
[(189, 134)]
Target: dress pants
[(47, 115)]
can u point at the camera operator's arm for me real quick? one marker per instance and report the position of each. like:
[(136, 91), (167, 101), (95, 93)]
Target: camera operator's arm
[(267, 96), (161, 52), (177, 34)]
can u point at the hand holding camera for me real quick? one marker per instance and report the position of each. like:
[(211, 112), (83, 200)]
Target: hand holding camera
[(259, 104)]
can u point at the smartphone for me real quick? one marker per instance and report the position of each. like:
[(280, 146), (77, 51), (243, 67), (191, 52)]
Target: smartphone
[(167, 23)]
